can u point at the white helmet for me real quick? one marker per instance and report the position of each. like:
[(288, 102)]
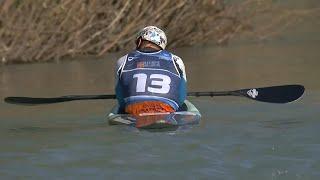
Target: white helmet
[(154, 35)]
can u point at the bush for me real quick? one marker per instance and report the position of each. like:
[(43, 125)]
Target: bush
[(43, 30)]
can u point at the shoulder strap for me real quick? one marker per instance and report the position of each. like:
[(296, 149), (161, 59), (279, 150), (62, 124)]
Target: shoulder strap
[(119, 72), (178, 67)]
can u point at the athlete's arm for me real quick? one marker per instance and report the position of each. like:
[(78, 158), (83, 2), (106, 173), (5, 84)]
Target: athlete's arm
[(120, 63)]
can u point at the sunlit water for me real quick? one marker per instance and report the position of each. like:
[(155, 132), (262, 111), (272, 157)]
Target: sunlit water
[(236, 139)]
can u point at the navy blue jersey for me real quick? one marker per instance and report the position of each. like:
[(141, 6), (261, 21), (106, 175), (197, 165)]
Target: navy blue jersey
[(150, 77)]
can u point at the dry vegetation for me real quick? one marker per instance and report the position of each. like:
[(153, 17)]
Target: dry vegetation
[(43, 30), (269, 18)]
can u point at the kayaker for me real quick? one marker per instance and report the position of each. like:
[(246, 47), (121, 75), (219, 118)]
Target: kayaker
[(150, 79)]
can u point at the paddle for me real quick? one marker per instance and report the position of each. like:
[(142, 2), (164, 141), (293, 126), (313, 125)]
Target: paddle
[(273, 94)]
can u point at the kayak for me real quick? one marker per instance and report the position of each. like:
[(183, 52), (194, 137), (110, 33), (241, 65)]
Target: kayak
[(187, 115)]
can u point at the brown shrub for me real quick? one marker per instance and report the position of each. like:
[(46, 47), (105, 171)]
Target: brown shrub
[(42, 30)]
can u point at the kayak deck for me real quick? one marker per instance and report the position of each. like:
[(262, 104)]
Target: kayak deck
[(188, 114)]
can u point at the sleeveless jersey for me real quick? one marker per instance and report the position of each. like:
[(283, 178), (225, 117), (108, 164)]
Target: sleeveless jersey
[(151, 77)]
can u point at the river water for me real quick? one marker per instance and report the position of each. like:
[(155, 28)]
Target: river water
[(236, 139)]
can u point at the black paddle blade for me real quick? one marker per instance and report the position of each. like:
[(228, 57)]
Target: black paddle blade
[(39, 101), (34, 101), (273, 94)]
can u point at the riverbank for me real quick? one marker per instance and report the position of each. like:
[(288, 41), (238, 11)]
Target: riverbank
[(45, 30), (35, 30)]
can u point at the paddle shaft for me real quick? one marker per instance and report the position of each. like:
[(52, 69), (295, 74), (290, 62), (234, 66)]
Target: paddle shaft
[(273, 94), (217, 93)]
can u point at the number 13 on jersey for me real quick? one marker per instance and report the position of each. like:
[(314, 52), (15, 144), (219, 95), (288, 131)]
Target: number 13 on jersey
[(159, 83)]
